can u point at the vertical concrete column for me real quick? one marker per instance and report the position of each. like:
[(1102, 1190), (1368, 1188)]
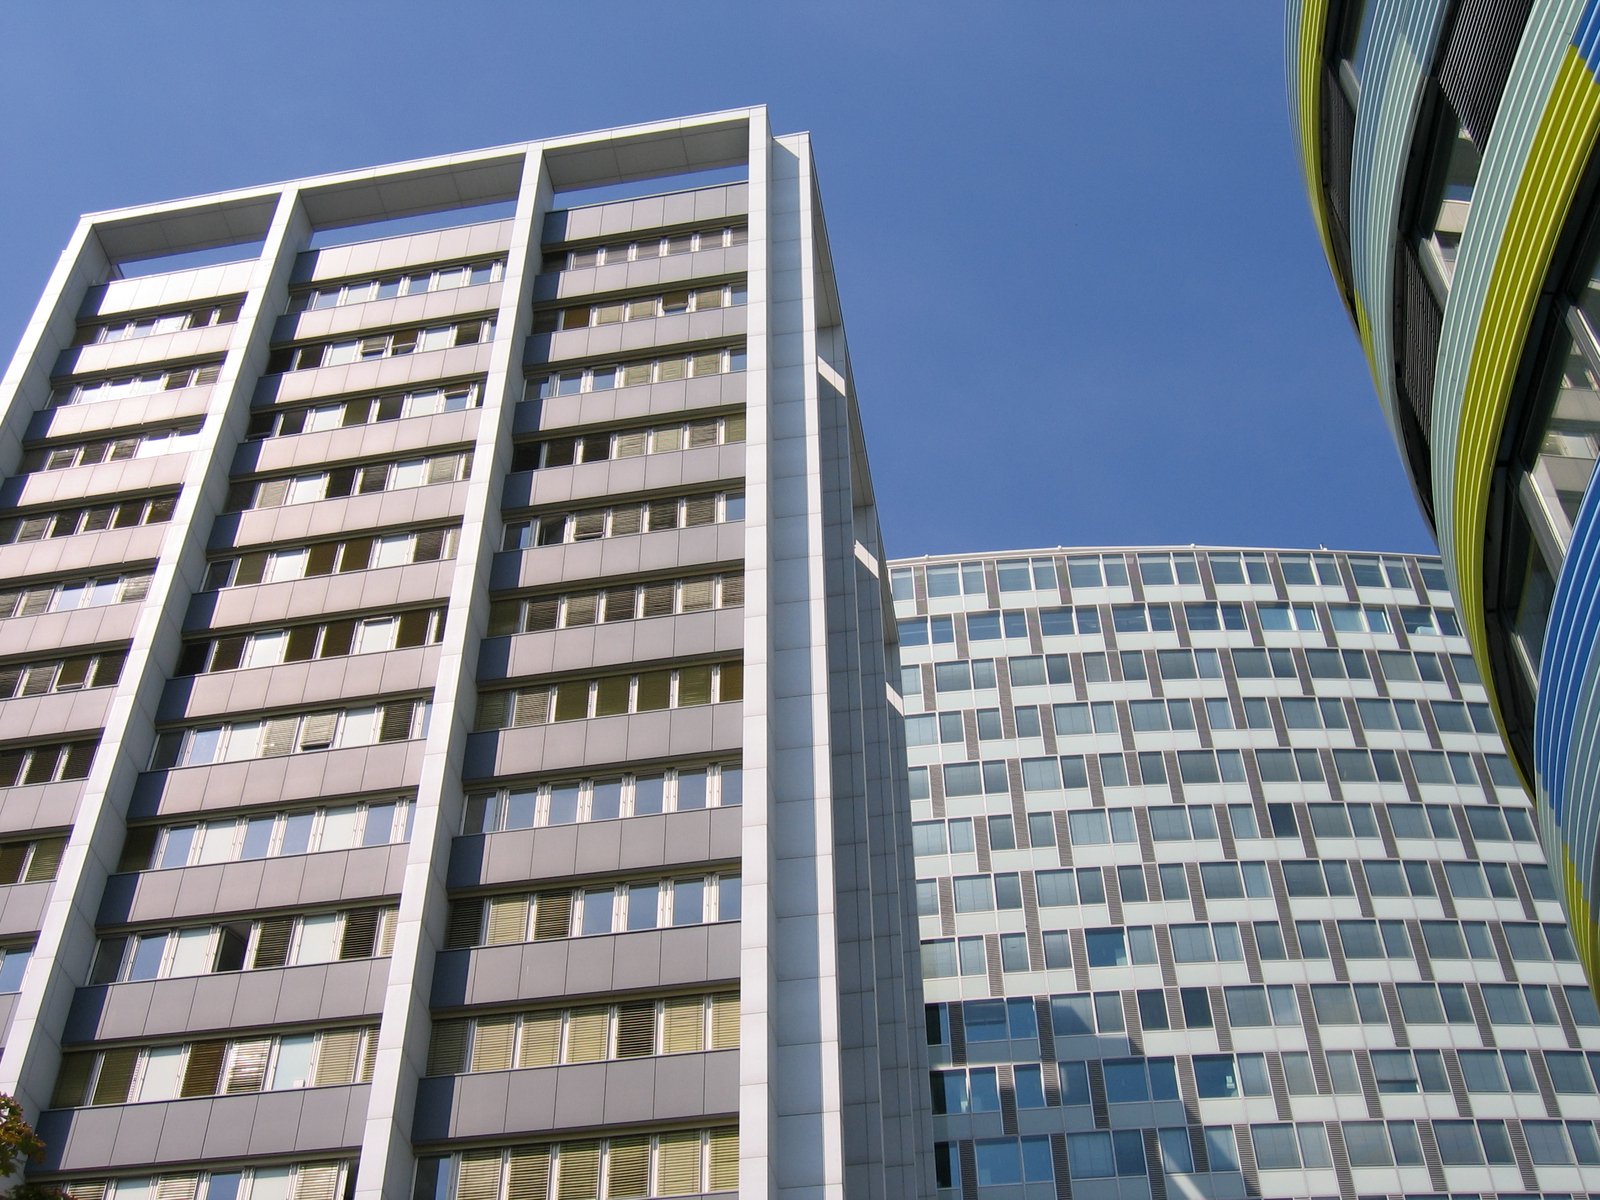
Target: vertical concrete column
[(65, 949), (386, 1165)]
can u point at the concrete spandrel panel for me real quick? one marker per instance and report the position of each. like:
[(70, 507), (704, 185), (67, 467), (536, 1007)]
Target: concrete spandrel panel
[(22, 908)]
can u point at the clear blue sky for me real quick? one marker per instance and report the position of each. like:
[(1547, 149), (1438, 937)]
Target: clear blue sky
[(1085, 300)]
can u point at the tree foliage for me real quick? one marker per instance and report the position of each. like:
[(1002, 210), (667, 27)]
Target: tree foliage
[(19, 1146)]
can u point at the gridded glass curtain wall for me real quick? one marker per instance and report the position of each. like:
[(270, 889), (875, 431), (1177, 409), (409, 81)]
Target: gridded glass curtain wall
[(1448, 148), (1227, 887), (415, 581)]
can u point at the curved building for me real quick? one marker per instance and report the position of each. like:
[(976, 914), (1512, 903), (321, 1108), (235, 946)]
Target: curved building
[(1448, 149)]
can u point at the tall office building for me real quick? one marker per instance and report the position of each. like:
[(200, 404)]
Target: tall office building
[(1448, 148), (445, 746), (1227, 888)]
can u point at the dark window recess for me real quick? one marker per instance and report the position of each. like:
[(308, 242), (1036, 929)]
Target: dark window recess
[(1476, 60), (1421, 323), (1338, 142)]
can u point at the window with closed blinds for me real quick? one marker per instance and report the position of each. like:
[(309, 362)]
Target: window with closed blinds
[(491, 1042), (247, 1066), (627, 1168), (272, 942), (683, 1025), (388, 918), (540, 1044), (678, 1163), (508, 920), (725, 1021), (203, 1073), (337, 1057), (722, 1160), (552, 916), (466, 924), (318, 1182), (177, 1187), (578, 1171), (360, 933), (588, 1033), (478, 1177), (46, 859), (447, 1051), (396, 723), (528, 1173), (636, 1029), (316, 730), (72, 1080)]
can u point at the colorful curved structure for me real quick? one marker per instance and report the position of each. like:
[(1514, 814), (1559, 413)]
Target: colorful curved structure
[(1449, 152)]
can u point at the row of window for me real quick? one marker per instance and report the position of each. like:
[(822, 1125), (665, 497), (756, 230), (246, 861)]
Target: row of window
[(33, 861), (62, 675), (49, 762), (641, 249), (570, 381), (1201, 616), (245, 945), (305, 1181), (369, 347), (682, 1162), (124, 329), (611, 695), (365, 410), (1161, 569), (387, 287), (1396, 666), (338, 482), (612, 908), (628, 443), (267, 835), (625, 602), (369, 553), (69, 595), (223, 1067), (141, 383), (641, 308), (1169, 823), (62, 456), (568, 802), (593, 1033), (302, 643), (624, 520), (67, 522), (276, 737)]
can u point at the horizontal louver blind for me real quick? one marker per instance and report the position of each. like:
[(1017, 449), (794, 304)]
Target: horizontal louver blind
[(531, 708), (387, 920), (678, 1164), (529, 1173), (588, 1034), (177, 1187), (336, 1057), (247, 1066), (578, 1171), (724, 1160), (203, 1073), (316, 1183), (116, 1076), (278, 736), (725, 1021), (360, 933), (491, 1043), (272, 942), (625, 520), (627, 1168), (552, 916), (696, 595), (316, 730), (72, 1080), (541, 1040), (396, 723), (479, 1177), (466, 922), (683, 1027), (46, 859), (447, 1052), (508, 920), (636, 1029)]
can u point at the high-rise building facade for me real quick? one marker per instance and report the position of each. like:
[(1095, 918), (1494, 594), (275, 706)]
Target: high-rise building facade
[(445, 747), (1227, 887), (1448, 148)]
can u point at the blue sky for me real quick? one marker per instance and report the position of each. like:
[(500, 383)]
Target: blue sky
[(1085, 301)]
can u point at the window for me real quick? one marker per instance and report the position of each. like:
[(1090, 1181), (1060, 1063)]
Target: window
[(302, 643), (417, 281), (606, 798), (61, 675), (341, 482), (33, 861), (33, 763), (575, 380), (644, 248), (1284, 617), (651, 516), (293, 733), (365, 410), (611, 695), (368, 347), (598, 909), (267, 835), (364, 553), (65, 455), (66, 522), (600, 446), (680, 1163), (615, 310), (267, 942), (119, 387), (127, 328)]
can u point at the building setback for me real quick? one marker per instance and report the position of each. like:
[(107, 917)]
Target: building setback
[(1227, 887), (445, 747), (1448, 150)]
